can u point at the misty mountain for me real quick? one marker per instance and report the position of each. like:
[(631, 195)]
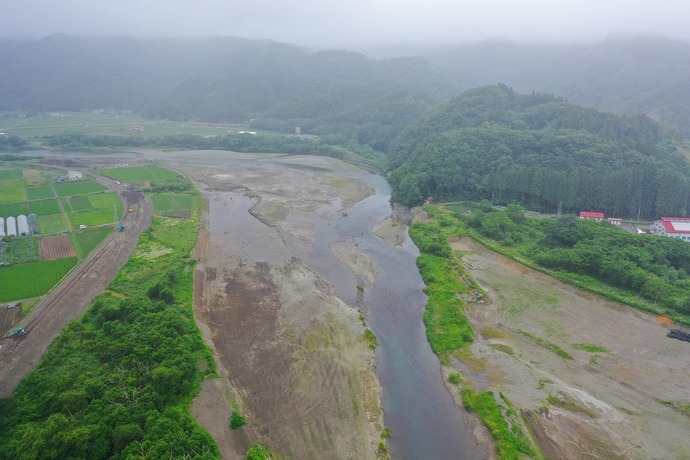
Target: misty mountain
[(625, 75), (280, 86)]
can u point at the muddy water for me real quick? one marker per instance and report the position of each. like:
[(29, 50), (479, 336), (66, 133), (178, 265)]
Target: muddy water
[(423, 419)]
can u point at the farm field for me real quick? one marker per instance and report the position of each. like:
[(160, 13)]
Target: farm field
[(52, 223), (14, 209), (11, 174), (56, 247), (78, 188), (33, 279), (108, 124), (12, 190), (95, 217), (40, 207), (139, 173), (89, 239), (38, 193), (173, 202)]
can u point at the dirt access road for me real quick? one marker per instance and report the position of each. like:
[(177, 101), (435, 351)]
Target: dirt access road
[(623, 401), (20, 355), (290, 353)]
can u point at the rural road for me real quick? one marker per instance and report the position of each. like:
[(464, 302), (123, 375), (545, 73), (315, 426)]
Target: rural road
[(20, 355)]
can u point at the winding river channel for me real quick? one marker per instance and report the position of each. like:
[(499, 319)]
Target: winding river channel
[(423, 419)]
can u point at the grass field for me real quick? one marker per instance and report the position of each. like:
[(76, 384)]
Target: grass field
[(14, 209), (38, 193), (163, 202), (104, 200), (80, 203), (112, 124), (33, 279), (139, 173), (52, 223), (95, 217), (89, 239), (78, 188), (12, 190), (42, 207), (11, 174)]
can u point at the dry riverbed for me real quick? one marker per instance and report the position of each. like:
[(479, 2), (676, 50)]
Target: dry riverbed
[(623, 401), (290, 353)]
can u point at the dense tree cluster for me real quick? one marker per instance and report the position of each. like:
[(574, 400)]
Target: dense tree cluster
[(537, 149), (117, 382)]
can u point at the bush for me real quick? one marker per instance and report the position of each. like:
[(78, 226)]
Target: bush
[(258, 452), (237, 420)]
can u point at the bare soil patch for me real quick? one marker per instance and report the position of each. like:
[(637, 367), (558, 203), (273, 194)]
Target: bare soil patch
[(56, 247), (620, 403)]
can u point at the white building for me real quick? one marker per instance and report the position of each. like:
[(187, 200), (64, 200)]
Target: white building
[(672, 227), (74, 175), (2, 227)]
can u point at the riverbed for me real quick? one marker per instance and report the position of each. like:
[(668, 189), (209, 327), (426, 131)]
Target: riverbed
[(292, 267)]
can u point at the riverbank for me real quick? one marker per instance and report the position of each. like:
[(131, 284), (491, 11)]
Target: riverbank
[(618, 395)]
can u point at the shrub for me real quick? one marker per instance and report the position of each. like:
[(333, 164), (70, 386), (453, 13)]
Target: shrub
[(237, 420)]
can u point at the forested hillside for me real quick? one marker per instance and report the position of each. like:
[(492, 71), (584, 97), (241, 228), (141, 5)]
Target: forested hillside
[(624, 74), (539, 150)]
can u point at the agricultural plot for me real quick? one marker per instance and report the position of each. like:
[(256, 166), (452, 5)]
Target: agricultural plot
[(39, 193), (78, 188), (139, 173), (79, 203), (36, 177), (43, 207), (89, 239), (104, 200), (51, 223), (33, 279), (11, 174), (14, 209), (172, 202), (95, 217), (18, 250), (56, 247), (12, 190)]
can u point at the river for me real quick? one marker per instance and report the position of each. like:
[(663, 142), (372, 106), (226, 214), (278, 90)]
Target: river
[(424, 421)]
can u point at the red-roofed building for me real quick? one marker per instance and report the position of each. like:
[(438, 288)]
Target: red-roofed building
[(673, 227), (597, 216)]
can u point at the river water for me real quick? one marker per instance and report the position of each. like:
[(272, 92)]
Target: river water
[(424, 421)]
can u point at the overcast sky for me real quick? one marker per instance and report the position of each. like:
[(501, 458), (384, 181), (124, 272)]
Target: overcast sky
[(327, 23)]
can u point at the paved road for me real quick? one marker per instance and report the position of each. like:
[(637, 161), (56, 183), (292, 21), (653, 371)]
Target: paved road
[(20, 355)]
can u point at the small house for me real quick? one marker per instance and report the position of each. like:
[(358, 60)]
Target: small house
[(595, 216), (74, 175)]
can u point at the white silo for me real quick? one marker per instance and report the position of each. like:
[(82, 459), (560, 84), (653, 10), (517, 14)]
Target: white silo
[(2, 227), (11, 226), (22, 225)]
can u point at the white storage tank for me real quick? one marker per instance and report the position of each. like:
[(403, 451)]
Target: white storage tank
[(22, 225), (11, 226), (2, 227)]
